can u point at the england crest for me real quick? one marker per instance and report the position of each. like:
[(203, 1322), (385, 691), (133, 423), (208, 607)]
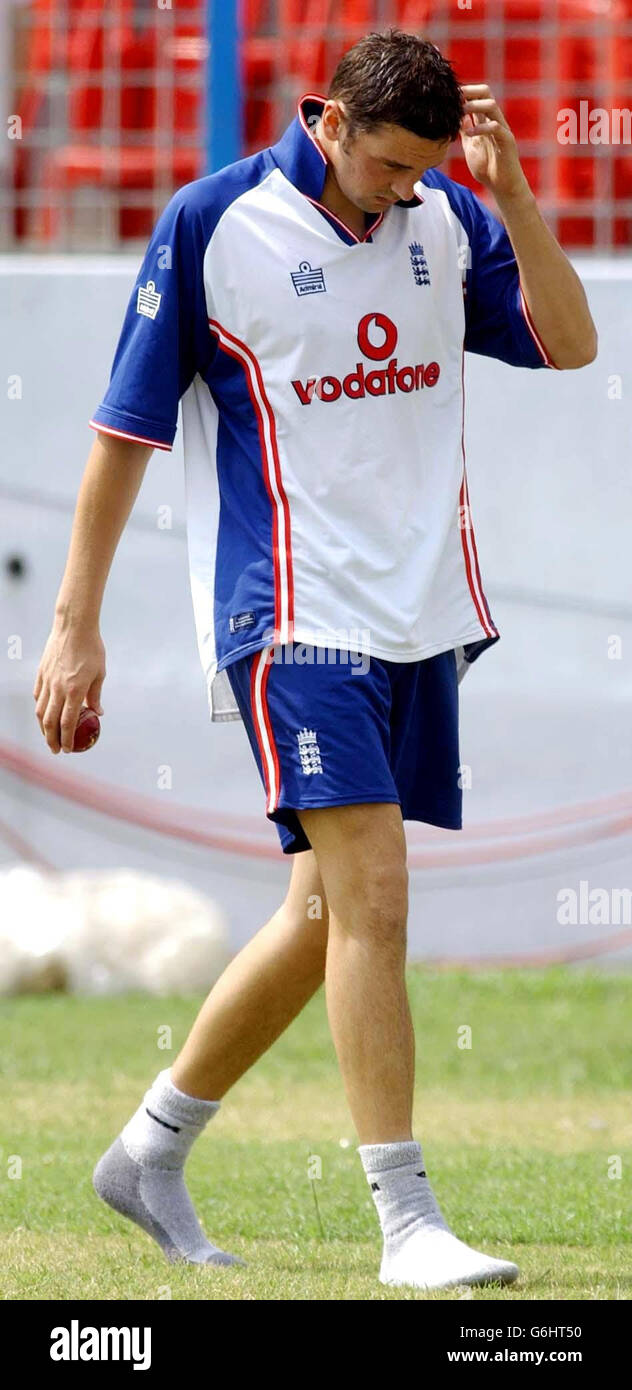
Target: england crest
[(419, 263)]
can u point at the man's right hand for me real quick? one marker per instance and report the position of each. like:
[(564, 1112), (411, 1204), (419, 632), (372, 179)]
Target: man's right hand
[(71, 671)]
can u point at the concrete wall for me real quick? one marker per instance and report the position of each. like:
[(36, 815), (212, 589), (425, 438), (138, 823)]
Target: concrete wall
[(548, 458), (548, 453)]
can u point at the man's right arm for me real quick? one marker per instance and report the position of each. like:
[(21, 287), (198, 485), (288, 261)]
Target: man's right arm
[(72, 668)]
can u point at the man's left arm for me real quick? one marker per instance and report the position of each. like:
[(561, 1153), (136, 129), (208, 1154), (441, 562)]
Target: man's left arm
[(553, 292)]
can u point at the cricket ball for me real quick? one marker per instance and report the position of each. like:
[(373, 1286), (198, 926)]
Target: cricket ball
[(87, 730)]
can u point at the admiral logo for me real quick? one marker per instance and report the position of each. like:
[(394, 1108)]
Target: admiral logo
[(308, 281), (378, 382), (148, 300)]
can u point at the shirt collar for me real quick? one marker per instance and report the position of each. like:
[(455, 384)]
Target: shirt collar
[(301, 158)]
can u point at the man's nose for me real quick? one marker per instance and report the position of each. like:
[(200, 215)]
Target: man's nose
[(404, 188)]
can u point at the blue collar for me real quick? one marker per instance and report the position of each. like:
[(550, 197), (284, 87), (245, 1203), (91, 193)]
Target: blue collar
[(304, 163)]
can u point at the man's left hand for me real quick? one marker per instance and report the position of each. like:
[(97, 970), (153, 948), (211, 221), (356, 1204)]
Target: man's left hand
[(488, 144)]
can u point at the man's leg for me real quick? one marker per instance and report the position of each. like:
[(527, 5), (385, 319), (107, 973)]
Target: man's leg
[(361, 854), (262, 989), (260, 992)]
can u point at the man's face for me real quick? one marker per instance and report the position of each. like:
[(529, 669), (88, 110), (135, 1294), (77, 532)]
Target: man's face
[(379, 167)]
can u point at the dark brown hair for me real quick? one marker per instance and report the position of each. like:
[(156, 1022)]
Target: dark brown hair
[(400, 79)]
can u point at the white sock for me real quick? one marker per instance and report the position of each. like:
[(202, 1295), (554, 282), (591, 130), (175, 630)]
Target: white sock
[(163, 1130), (419, 1247)]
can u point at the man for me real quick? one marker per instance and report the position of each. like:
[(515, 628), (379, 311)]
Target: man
[(311, 305)]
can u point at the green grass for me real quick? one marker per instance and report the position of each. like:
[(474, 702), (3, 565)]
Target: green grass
[(519, 1133)]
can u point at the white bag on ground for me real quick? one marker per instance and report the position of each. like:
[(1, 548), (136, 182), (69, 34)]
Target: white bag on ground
[(106, 931)]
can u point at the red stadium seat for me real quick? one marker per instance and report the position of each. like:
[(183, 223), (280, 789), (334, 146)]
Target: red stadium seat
[(522, 59), (527, 11), (256, 14), (137, 104), (260, 123), (262, 60), (413, 16), (467, 57)]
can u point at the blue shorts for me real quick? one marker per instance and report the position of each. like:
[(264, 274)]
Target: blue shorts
[(327, 731)]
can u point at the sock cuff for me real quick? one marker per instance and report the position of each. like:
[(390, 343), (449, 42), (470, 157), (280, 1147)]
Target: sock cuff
[(189, 1110), (379, 1158)]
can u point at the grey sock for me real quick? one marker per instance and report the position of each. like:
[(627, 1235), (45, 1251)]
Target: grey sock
[(401, 1190), (141, 1174)]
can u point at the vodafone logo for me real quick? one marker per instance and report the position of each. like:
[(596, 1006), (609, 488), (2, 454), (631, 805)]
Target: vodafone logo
[(377, 325), (377, 340)]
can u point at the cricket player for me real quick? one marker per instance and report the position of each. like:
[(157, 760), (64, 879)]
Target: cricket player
[(309, 306)]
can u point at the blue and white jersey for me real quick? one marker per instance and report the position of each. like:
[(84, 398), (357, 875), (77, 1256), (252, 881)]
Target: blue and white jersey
[(321, 380)]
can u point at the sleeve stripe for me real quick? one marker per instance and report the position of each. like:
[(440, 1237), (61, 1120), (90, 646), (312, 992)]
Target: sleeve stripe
[(121, 434), (534, 333)]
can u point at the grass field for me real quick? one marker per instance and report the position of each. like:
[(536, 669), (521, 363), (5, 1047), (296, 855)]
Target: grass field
[(521, 1134)]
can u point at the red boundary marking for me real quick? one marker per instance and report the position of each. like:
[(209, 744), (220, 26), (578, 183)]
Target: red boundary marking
[(586, 823)]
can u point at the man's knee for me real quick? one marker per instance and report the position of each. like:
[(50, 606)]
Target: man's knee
[(361, 856), (376, 899)]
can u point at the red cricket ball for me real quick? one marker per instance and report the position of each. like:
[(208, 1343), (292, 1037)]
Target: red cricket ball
[(87, 730)]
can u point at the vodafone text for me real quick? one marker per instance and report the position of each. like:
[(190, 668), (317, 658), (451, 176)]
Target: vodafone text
[(376, 382)]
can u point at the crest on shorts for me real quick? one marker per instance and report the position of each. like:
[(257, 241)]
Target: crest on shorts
[(308, 751)]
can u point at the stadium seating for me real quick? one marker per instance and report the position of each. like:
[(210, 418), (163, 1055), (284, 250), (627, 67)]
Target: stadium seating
[(135, 104), (119, 112)]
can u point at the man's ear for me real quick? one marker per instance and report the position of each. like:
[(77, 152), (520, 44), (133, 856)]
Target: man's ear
[(332, 117)]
